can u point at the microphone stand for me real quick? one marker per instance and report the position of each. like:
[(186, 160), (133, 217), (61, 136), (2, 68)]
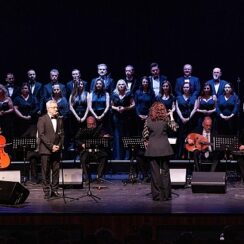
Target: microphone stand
[(62, 181)]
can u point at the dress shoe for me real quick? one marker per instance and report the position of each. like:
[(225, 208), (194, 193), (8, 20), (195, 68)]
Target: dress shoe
[(156, 199), (55, 194), (167, 198), (47, 196)]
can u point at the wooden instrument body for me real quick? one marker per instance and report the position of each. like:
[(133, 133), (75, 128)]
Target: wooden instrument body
[(4, 157), (199, 142)]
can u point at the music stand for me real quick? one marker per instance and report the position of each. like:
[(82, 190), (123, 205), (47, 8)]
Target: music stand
[(133, 144), (226, 143), (24, 143), (92, 145)]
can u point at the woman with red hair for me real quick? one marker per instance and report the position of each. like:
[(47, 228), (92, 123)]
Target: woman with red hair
[(159, 150)]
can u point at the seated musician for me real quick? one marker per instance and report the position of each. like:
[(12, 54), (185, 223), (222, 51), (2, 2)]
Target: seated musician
[(240, 154), (200, 143), (88, 155)]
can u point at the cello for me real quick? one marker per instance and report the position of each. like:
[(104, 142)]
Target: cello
[(200, 142), (4, 158)]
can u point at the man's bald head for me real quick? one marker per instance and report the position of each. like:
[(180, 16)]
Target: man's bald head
[(91, 122), (207, 124)]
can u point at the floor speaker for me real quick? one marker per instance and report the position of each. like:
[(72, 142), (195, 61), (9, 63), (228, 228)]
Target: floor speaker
[(208, 182), (10, 175), (12, 192), (71, 176), (178, 176)]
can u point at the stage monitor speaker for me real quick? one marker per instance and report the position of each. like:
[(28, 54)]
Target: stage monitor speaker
[(10, 175), (208, 182), (178, 177), (12, 192), (71, 176)]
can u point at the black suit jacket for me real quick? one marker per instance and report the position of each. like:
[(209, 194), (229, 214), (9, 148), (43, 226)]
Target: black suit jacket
[(162, 78), (47, 136), (38, 93)]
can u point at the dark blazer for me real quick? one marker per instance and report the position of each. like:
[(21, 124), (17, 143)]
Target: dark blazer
[(38, 93), (135, 85), (194, 83), (16, 91), (48, 88), (47, 136), (109, 84), (158, 143), (221, 87), (162, 78)]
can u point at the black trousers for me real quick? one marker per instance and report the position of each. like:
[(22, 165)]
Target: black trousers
[(48, 163), (160, 182), (214, 157), (100, 157)]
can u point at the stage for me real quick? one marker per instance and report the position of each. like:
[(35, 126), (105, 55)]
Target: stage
[(124, 208)]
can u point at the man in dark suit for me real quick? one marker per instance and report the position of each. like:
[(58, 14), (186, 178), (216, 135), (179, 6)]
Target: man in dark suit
[(202, 145), (12, 89), (188, 78), (102, 70), (240, 154), (130, 79), (51, 137), (36, 88), (216, 83), (75, 79), (156, 79), (48, 88)]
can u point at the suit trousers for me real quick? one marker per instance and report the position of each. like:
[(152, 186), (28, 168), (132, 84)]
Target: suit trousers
[(100, 157), (48, 163), (160, 182)]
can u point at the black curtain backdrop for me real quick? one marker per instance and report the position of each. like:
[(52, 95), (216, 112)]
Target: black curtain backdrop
[(67, 34)]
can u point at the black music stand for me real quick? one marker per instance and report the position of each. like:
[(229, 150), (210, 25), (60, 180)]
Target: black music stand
[(24, 144), (93, 145), (226, 143), (133, 144)]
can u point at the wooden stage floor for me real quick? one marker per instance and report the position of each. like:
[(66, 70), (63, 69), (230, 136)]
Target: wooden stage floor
[(124, 207), (119, 198)]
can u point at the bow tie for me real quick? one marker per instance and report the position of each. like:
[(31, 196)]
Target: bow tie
[(155, 77), (53, 117), (10, 85)]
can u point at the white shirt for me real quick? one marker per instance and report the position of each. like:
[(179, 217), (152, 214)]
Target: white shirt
[(54, 123), (156, 86)]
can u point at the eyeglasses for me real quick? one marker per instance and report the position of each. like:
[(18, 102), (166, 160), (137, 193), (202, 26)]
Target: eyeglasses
[(206, 88), (56, 89)]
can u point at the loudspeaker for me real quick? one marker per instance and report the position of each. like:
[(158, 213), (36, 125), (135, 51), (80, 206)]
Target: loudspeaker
[(178, 176), (12, 192), (10, 175), (208, 182), (71, 176)]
